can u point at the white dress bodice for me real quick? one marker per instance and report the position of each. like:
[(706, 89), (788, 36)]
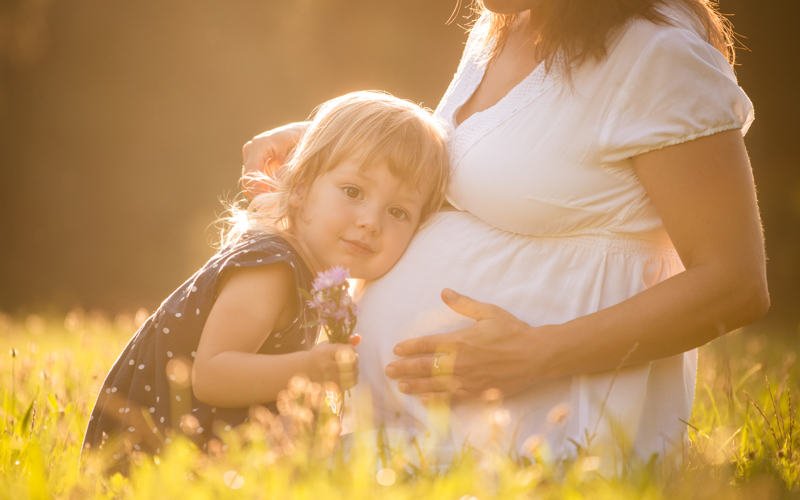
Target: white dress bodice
[(553, 224)]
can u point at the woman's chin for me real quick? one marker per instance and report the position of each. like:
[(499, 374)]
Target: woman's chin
[(509, 7)]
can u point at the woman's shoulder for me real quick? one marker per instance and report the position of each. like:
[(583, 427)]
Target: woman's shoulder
[(680, 35), (666, 85)]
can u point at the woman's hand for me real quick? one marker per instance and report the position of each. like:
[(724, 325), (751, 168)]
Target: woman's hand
[(268, 151), (327, 362), (494, 353)]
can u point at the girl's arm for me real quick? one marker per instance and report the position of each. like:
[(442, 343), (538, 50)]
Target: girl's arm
[(704, 192), (253, 302), (268, 151)]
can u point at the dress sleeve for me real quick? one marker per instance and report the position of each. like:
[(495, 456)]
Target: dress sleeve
[(259, 250), (680, 88)]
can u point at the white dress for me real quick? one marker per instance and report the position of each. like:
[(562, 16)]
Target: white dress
[(553, 224)]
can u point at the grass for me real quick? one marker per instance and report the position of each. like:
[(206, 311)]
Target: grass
[(743, 431)]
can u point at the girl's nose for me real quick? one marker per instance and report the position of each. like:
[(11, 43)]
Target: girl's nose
[(370, 219)]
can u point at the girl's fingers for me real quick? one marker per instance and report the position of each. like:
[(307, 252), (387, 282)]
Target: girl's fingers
[(348, 382), (345, 355), (258, 151), (349, 371), (355, 339), (346, 366)]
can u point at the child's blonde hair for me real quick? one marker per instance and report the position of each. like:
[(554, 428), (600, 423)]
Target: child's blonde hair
[(370, 126)]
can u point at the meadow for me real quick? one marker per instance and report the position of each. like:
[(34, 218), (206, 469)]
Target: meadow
[(744, 435)]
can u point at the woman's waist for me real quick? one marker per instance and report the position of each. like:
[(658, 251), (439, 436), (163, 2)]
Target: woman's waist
[(642, 244)]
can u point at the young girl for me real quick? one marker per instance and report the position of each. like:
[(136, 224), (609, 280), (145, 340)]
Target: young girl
[(368, 171)]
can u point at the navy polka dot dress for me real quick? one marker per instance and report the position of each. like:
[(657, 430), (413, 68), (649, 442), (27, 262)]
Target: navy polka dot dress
[(147, 396)]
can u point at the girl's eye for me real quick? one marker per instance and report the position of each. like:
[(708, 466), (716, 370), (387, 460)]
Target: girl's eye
[(398, 213), (352, 192)]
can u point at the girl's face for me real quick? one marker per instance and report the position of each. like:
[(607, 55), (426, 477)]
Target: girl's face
[(359, 218)]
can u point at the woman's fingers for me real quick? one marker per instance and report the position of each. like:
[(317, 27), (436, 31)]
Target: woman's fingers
[(355, 339), (468, 307), (411, 367), (443, 342), (440, 383), (448, 342), (429, 363), (422, 366), (446, 397)]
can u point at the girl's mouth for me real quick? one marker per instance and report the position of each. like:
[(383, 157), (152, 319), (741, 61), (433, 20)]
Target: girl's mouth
[(359, 247)]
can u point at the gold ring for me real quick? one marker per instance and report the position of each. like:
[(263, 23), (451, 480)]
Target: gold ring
[(436, 365)]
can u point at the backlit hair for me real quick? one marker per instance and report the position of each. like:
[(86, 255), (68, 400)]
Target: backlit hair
[(579, 30), (372, 127)]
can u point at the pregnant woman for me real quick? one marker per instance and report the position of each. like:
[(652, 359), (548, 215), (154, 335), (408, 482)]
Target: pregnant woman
[(604, 225)]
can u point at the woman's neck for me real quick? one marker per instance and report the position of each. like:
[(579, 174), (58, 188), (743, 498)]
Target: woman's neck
[(521, 41), (529, 23)]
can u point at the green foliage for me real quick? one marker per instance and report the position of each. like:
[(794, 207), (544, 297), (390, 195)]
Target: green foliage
[(744, 439)]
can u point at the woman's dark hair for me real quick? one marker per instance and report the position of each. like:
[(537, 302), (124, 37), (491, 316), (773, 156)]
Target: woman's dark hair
[(580, 29)]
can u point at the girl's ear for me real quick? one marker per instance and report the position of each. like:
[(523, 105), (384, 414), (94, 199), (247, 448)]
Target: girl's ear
[(296, 199)]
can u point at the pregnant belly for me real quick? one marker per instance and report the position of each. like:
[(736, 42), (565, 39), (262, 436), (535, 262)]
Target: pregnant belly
[(539, 280)]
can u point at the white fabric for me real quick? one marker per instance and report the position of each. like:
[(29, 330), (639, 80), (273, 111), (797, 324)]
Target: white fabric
[(553, 224)]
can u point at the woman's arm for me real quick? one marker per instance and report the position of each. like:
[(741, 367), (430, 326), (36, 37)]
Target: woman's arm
[(253, 302), (704, 192)]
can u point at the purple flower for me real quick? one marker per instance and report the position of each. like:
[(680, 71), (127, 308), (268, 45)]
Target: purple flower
[(335, 308), (341, 314), (333, 277)]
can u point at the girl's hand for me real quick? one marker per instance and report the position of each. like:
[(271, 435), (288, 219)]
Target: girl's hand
[(498, 352), (333, 362), (268, 151)]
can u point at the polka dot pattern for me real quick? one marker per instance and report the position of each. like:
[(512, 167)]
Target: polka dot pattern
[(144, 383)]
